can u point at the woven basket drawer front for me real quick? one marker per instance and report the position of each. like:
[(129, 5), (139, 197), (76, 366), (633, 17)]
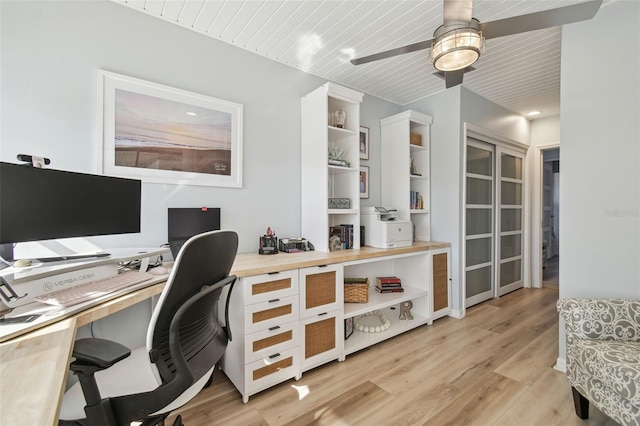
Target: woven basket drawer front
[(270, 341), (321, 339), (261, 288), (261, 316), (320, 290), (272, 370)]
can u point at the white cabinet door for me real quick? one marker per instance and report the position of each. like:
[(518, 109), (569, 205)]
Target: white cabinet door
[(321, 289), (321, 338)]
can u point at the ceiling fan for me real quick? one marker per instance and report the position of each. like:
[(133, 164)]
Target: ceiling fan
[(459, 41)]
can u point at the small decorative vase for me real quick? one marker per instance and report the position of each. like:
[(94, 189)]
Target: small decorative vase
[(341, 118)]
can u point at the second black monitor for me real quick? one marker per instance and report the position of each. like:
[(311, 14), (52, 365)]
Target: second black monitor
[(184, 223)]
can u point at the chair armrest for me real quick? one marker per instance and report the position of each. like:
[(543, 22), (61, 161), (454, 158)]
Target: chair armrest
[(601, 319), (100, 353)]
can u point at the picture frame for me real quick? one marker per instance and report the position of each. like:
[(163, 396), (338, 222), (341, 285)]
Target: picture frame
[(364, 182), (348, 327), (364, 143), (161, 134)]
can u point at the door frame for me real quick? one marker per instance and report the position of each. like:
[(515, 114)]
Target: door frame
[(536, 213)]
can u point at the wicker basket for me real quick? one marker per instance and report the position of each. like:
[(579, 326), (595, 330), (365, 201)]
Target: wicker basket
[(356, 290)]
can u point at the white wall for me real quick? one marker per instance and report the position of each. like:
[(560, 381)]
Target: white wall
[(600, 173), (451, 109), (50, 53), (483, 113), (444, 107)]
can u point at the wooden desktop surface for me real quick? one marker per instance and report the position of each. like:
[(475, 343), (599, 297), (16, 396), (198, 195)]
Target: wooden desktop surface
[(33, 366)]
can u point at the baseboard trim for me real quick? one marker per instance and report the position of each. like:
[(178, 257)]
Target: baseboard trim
[(455, 313), (561, 365)]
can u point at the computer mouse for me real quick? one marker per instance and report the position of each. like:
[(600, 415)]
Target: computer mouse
[(158, 270), (22, 263)]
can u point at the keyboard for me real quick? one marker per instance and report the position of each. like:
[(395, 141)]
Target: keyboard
[(87, 291)]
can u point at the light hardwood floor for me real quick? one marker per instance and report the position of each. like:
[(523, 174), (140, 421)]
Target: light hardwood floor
[(494, 367)]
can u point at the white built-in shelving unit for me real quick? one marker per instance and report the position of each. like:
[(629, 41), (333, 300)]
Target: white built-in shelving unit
[(405, 169), (321, 180)]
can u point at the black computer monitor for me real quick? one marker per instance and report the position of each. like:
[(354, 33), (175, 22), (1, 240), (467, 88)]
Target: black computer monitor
[(184, 223), (43, 204)]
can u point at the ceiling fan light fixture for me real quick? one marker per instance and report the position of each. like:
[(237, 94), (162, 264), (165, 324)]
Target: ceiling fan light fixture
[(456, 46)]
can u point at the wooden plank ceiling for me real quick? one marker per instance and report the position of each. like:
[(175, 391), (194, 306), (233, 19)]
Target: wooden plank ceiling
[(520, 72)]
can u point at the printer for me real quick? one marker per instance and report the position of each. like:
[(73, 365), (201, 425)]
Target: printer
[(384, 229)]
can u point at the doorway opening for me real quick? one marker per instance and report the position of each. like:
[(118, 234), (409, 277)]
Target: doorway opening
[(550, 242)]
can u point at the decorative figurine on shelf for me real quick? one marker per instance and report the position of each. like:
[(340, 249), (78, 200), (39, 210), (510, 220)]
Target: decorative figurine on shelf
[(405, 310), (268, 243), (412, 168), (336, 156), (340, 117)]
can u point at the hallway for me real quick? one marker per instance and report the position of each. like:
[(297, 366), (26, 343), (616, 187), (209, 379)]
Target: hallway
[(551, 273)]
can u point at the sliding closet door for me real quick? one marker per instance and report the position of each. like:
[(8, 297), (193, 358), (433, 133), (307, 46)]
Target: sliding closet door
[(480, 219), (510, 216)]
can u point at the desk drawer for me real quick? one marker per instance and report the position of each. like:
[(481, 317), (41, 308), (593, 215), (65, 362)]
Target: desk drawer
[(261, 288), (270, 341), (278, 311), (272, 370)]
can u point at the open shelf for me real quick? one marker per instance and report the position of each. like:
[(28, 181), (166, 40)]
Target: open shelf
[(343, 211), (341, 169), (360, 340), (415, 148), (338, 133), (379, 301)]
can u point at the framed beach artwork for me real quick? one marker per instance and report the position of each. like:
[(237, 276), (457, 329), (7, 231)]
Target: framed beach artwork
[(160, 134)]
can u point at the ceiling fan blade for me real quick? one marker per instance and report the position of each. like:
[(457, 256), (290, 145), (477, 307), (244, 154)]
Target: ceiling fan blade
[(393, 52), (453, 78), (539, 20), (457, 10)]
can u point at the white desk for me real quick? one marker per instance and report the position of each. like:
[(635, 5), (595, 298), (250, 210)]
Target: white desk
[(38, 358)]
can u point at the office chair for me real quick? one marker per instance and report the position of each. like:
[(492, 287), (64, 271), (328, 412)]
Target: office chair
[(184, 343)]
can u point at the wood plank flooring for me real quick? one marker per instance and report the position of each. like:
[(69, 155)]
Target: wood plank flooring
[(494, 367)]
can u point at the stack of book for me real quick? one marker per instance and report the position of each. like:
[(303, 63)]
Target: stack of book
[(416, 202), (389, 285), (345, 232), (336, 162)]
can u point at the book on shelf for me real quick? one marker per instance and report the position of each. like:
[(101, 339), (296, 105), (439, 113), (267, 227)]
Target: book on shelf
[(345, 233), (388, 280), (349, 280), (341, 163), (390, 286), (416, 202), (389, 290)]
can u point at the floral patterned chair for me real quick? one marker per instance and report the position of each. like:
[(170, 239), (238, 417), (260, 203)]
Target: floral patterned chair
[(603, 356)]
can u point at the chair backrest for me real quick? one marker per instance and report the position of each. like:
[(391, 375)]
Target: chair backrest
[(185, 339)]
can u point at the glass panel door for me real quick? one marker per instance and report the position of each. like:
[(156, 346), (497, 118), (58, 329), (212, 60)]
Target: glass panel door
[(510, 227), (479, 223)]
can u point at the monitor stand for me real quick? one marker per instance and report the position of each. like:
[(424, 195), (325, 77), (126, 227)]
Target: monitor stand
[(6, 255), (71, 257)]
